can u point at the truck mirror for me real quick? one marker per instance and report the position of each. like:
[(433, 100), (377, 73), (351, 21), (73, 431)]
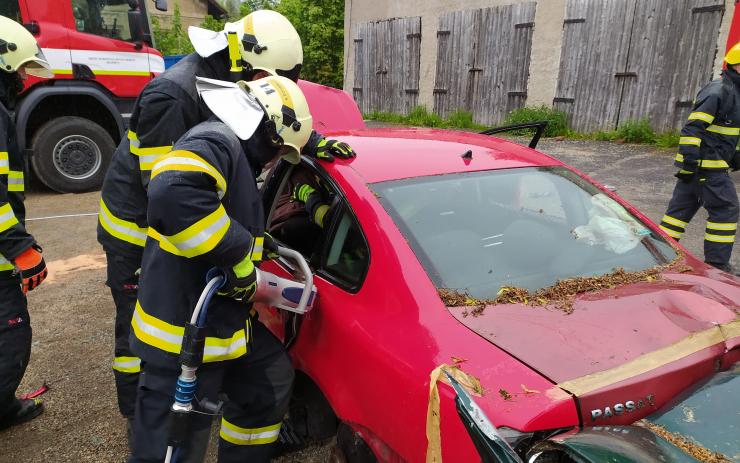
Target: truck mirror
[(160, 5), (136, 26)]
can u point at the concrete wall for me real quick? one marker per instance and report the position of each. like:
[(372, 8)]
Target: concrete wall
[(546, 43), (191, 11)]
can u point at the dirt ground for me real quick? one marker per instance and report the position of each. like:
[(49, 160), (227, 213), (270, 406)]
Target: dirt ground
[(72, 312)]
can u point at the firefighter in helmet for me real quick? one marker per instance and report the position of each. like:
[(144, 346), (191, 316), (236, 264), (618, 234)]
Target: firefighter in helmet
[(706, 154), (262, 43), (22, 267), (205, 211)]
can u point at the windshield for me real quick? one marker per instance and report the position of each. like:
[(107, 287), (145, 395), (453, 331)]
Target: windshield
[(10, 9), (527, 227)]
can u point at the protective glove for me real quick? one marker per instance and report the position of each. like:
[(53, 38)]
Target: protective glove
[(325, 150), (241, 281), (302, 192), (685, 176), (269, 247), (32, 267)]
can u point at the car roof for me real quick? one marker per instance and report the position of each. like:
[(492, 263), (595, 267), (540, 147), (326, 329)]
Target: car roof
[(392, 154)]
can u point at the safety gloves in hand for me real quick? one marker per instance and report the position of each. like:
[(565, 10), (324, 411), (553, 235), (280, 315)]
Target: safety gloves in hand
[(241, 280), (302, 192), (30, 263), (325, 150), (270, 247), (685, 176)]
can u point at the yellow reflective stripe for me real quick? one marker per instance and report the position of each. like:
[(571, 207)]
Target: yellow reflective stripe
[(190, 162), (119, 228), (5, 264), (319, 215), (674, 221), (248, 436), (719, 238), (689, 141), (4, 163), (7, 217), (722, 225), (127, 364), (698, 115), (671, 233), (714, 164), (164, 336), (679, 157), (197, 239), (258, 245), (15, 181), (724, 130), (147, 156)]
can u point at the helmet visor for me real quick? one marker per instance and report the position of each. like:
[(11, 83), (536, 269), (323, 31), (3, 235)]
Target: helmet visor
[(38, 66)]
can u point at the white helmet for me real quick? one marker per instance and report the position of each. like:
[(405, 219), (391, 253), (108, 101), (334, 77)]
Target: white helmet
[(264, 40), (275, 101), (18, 48)]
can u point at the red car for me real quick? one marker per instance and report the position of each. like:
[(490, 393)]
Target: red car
[(422, 210)]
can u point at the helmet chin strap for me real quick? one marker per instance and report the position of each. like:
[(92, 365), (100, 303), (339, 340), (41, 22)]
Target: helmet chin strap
[(10, 86), (259, 148)]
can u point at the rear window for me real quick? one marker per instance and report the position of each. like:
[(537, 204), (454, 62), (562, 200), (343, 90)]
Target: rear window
[(10, 9), (527, 227)]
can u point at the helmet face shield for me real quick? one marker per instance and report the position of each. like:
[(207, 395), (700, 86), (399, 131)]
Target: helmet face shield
[(38, 66)]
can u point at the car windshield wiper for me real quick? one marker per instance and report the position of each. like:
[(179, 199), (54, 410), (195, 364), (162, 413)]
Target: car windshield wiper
[(539, 127)]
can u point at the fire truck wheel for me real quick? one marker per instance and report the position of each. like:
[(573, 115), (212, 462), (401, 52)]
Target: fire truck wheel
[(351, 447), (71, 154)]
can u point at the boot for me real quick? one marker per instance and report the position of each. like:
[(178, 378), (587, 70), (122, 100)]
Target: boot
[(28, 409)]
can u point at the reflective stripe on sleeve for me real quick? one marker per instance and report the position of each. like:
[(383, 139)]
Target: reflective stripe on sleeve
[(127, 364), (698, 115), (689, 141), (15, 181), (4, 163), (719, 238), (724, 130), (258, 247), (167, 337), (5, 264), (679, 157), (147, 156), (320, 214), (197, 239), (248, 436), (189, 162), (7, 217), (714, 164), (119, 228)]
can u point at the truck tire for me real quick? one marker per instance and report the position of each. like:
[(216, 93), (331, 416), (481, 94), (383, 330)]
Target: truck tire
[(71, 154)]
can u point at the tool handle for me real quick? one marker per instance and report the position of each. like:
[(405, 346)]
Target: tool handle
[(307, 275)]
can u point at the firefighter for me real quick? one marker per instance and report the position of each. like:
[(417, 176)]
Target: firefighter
[(205, 211), (22, 266), (262, 43), (706, 154)]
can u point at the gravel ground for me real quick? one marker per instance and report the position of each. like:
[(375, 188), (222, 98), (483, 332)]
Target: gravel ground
[(72, 313)]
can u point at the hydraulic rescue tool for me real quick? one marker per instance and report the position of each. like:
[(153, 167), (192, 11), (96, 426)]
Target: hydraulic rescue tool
[(295, 296)]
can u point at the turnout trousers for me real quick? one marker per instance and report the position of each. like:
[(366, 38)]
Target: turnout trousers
[(15, 343), (123, 284), (256, 388), (716, 193)]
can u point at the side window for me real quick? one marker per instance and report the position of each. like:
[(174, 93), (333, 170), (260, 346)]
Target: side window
[(10, 9), (108, 18), (348, 255)]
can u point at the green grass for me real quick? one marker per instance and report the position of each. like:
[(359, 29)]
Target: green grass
[(638, 131)]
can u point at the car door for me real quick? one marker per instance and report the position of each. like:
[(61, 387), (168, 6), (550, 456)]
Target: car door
[(337, 252)]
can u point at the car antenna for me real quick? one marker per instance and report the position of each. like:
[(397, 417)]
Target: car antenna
[(467, 155)]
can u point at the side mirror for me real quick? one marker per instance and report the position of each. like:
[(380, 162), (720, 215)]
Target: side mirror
[(136, 26), (160, 5)]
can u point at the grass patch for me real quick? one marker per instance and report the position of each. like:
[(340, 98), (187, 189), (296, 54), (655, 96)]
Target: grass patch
[(419, 116), (668, 139), (558, 120), (638, 131)]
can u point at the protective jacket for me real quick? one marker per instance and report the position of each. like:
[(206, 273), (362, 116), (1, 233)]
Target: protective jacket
[(709, 138), (13, 236), (204, 211), (167, 108)]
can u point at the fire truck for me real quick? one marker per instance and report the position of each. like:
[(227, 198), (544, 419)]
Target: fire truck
[(102, 56)]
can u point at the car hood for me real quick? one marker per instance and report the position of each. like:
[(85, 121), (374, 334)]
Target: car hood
[(623, 353)]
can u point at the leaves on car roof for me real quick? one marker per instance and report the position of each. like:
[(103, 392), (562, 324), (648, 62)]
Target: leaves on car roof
[(562, 294)]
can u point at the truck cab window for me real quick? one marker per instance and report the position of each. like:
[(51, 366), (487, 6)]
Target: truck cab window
[(107, 18)]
